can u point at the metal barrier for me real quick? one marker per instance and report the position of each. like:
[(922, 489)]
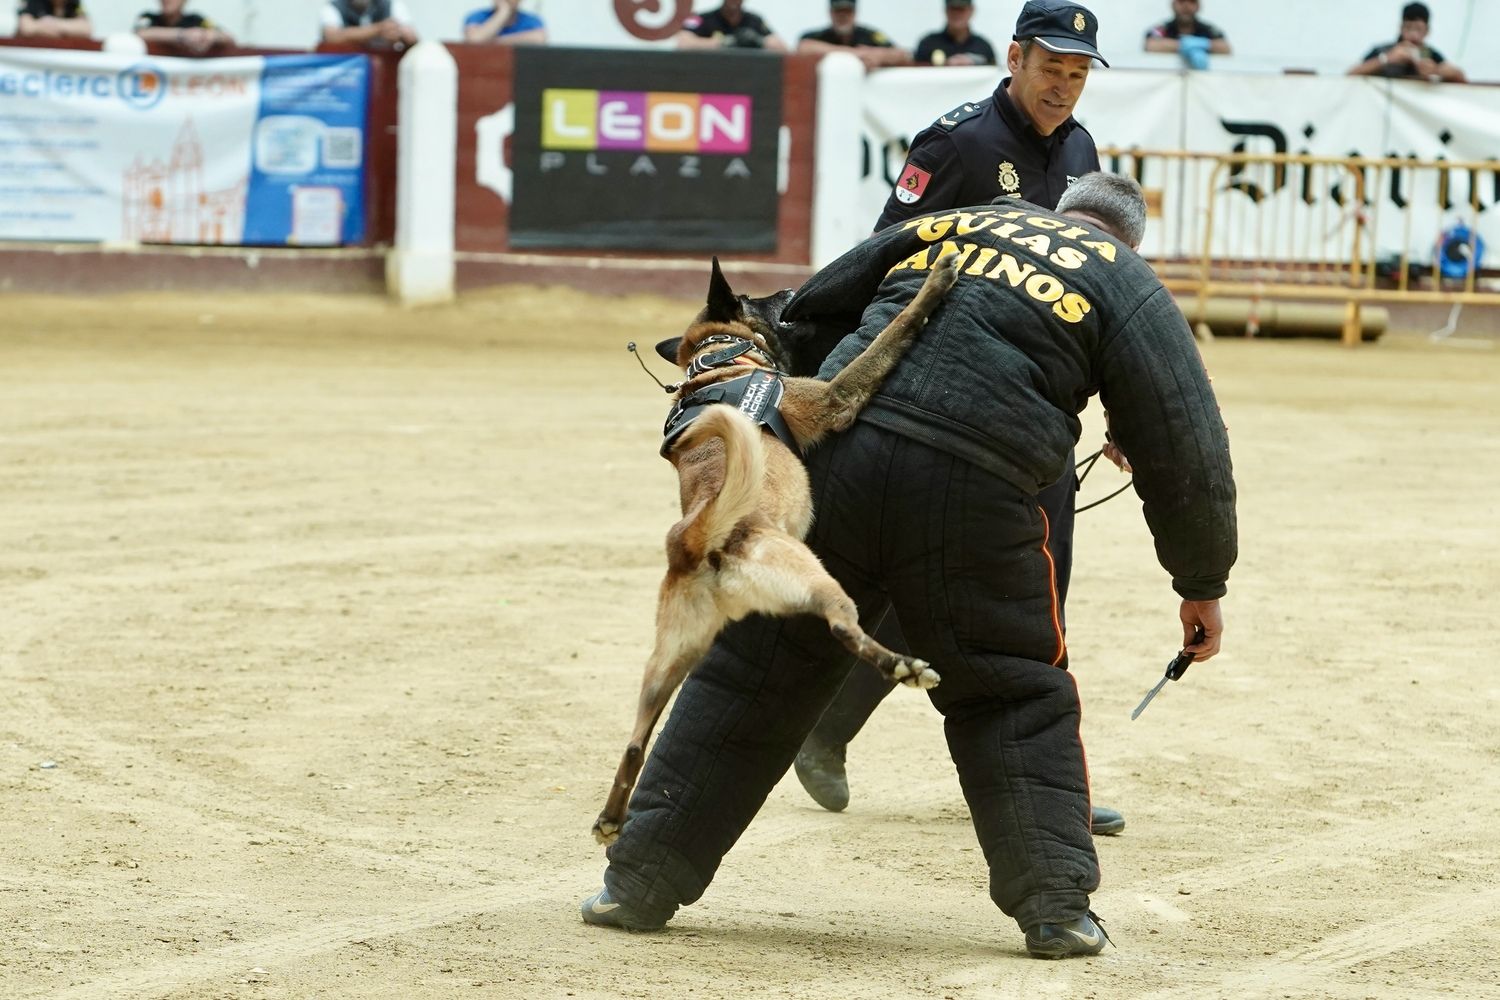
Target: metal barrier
[(1284, 226)]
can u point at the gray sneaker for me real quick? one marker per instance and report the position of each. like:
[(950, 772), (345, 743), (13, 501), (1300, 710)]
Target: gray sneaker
[(600, 910), (1083, 936), (820, 768)]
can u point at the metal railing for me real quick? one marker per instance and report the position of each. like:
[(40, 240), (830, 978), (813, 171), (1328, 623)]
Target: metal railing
[(1283, 226)]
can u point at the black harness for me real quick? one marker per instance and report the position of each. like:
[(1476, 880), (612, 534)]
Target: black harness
[(757, 395)]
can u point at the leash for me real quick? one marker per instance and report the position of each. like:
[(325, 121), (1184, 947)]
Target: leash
[(668, 389), (1087, 465)]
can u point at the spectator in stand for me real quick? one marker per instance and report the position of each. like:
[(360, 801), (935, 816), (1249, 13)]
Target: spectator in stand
[(1184, 34), (870, 45), (956, 44), (194, 34), (373, 24), (52, 19), (729, 27), (1410, 55), (503, 23)]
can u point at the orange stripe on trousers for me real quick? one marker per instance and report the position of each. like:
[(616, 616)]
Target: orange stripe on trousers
[(1062, 647)]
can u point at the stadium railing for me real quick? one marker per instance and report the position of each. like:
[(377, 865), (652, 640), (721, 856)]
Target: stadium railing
[(1286, 226)]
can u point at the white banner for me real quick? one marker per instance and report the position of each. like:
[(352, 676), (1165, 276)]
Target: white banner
[(1294, 214), (121, 148)]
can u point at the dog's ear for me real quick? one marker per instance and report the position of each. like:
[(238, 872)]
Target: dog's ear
[(723, 304), (667, 349)]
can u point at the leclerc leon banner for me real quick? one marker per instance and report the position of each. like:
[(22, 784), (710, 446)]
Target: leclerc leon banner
[(623, 149), (265, 151)]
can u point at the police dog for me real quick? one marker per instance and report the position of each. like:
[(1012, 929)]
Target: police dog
[(746, 501)]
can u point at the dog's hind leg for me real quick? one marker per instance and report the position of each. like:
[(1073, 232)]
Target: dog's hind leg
[(777, 574), (685, 627)]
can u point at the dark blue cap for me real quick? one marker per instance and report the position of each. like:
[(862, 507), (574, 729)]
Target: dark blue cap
[(1065, 28)]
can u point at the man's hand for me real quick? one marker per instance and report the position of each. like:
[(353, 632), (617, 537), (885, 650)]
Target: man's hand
[(1112, 452), (1207, 616)]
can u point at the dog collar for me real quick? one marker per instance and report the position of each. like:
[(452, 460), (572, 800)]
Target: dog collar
[(703, 363)]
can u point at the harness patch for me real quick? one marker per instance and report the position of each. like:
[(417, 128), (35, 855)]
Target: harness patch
[(756, 395)]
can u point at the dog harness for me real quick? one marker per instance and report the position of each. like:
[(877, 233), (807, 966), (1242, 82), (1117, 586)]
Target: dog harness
[(756, 395)]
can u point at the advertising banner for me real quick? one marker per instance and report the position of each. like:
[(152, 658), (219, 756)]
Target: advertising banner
[(1294, 213), (645, 151), (265, 151)]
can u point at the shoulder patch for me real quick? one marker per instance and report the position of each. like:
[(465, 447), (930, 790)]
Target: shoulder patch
[(950, 121)]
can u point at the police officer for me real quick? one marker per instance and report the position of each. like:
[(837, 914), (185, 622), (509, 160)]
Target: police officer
[(1023, 141), (871, 46), (730, 26), (928, 500)]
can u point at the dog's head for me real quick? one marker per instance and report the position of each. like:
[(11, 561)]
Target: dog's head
[(797, 348), (755, 319)]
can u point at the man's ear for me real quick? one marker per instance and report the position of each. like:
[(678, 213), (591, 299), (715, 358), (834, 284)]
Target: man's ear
[(1013, 58), (723, 306)]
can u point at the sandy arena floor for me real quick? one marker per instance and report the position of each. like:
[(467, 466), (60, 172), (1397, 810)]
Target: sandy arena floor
[(322, 624)]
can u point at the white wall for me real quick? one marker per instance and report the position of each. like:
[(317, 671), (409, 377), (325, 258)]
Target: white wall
[(1324, 35)]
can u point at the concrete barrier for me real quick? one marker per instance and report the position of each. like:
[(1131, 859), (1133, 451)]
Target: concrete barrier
[(420, 267)]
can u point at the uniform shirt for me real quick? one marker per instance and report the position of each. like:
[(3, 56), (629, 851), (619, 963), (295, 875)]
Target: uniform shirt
[(43, 8), (159, 20), (713, 23), (1400, 69), (1169, 29), (979, 151), (333, 18), (860, 36), (523, 21), (941, 41), (1046, 312)]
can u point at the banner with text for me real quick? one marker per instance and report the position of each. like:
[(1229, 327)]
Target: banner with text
[(646, 151), (1294, 213), (264, 151)]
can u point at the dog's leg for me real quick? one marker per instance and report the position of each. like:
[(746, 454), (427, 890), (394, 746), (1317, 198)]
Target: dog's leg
[(685, 627), (835, 404), (777, 574)]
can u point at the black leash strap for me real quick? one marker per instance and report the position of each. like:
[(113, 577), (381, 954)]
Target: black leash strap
[(1087, 465)]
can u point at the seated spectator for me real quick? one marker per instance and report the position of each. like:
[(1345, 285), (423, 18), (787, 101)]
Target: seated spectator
[(1185, 34), (194, 34), (729, 27), (872, 47), (372, 24), (956, 44), (1410, 55), (503, 23), (52, 19)]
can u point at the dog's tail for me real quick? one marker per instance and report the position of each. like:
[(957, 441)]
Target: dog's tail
[(744, 473)]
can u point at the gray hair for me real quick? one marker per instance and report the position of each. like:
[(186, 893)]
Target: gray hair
[(1113, 199)]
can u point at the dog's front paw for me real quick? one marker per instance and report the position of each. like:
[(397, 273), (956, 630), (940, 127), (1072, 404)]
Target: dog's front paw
[(606, 830), (916, 674)]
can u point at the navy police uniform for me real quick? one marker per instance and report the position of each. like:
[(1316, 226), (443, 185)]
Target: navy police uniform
[(940, 47), (929, 503), (861, 35), (751, 31), (983, 149)]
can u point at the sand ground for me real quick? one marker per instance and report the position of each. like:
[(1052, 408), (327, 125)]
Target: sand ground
[(321, 624)]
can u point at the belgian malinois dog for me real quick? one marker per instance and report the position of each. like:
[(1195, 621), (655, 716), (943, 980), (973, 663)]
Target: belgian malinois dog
[(735, 435)]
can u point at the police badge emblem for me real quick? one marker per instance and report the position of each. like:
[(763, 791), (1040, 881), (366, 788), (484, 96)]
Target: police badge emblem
[(1009, 178), (911, 185), (1079, 23)]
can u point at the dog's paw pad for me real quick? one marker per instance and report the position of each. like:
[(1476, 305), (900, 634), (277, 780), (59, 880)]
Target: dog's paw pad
[(917, 674), (606, 831)]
